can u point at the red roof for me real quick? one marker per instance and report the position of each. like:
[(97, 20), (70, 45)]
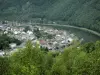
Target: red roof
[(42, 42)]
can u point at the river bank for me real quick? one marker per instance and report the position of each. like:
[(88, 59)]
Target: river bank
[(80, 28), (86, 34)]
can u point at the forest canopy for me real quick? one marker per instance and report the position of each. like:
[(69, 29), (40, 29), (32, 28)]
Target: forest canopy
[(82, 13), (83, 60)]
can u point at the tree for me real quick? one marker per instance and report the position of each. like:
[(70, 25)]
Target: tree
[(4, 66), (29, 60), (5, 40), (27, 28), (89, 47), (34, 61)]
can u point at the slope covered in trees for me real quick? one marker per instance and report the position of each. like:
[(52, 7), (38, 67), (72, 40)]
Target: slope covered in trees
[(84, 60), (84, 13)]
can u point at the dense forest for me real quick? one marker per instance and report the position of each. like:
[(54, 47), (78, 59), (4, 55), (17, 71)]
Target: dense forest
[(83, 13), (75, 60)]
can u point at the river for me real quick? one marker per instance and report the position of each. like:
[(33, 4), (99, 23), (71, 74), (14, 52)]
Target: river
[(81, 34)]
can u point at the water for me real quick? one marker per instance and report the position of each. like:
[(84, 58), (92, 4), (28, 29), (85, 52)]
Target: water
[(86, 36)]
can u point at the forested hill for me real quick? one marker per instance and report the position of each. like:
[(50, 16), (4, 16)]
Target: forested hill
[(84, 13), (84, 60)]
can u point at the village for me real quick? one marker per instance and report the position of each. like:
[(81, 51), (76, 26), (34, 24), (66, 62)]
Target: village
[(47, 37)]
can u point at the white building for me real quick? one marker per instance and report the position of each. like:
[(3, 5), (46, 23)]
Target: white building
[(30, 32), (2, 53), (13, 45), (70, 39)]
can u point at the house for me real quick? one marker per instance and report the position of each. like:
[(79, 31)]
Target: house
[(2, 53), (43, 43), (12, 45), (70, 39), (30, 32)]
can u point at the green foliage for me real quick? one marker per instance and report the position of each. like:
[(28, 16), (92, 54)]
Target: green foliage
[(34, 61), (4, 66), (31, 61), (89, 47), (28, 59), (84, 13), (37, 33)]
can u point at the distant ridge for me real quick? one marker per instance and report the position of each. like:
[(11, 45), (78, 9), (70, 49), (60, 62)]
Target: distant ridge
[(83, 13)]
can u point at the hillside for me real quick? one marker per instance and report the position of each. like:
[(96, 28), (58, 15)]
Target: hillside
[(85, 13), (84, 60)]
